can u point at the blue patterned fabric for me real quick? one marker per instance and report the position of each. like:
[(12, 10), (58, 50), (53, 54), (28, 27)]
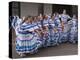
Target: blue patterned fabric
[(16, 21), (45, 38), (65, 32), (58, 26), (73, 37), (54, 36), (64, 18), (28, 40)]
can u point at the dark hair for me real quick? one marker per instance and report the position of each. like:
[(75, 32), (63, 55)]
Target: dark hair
[(44, 16), (26, 18), (52, 16), (34, 17)]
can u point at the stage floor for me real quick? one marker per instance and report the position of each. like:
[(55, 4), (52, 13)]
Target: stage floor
[(61, 50)]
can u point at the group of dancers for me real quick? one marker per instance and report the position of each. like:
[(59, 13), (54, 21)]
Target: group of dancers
[(34, 32)]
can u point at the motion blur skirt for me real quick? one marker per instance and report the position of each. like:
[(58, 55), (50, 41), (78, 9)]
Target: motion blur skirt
[(27, 43)]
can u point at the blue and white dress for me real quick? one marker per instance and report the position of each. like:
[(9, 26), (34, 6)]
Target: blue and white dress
[(26, 40), (53, 35), (59, 28), (16, 21), (37, 26), (65, 33), (73, 35), (46, 37)]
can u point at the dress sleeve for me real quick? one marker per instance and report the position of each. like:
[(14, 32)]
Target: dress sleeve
[(16, 22)]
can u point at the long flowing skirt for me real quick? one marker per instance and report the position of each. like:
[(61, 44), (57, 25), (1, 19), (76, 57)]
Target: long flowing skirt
[(73, 35), (54, 36), (27, 43), (64, 37), (46, 39)]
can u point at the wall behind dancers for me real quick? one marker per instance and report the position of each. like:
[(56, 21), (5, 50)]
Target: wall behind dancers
[(34, 9)]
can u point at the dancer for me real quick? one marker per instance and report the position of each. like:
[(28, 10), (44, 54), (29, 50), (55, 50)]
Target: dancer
[(26, 40), (74, 30), (64, 18)]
